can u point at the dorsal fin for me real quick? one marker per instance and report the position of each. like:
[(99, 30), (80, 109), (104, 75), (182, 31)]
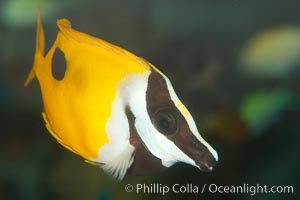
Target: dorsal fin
[(39, 48), (65, 27)]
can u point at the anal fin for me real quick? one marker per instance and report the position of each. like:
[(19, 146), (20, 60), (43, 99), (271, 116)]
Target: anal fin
[(48, 126)]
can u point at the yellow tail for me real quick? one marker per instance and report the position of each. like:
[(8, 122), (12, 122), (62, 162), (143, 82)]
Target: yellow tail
[(39, 48)]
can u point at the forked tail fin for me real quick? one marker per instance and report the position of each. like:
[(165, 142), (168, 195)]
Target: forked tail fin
[(39, 48)]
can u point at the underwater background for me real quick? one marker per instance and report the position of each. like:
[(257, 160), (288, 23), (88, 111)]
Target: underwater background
[(235, 64)]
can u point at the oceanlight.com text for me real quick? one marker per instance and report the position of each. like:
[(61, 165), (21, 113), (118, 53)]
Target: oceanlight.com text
[(189, 188)]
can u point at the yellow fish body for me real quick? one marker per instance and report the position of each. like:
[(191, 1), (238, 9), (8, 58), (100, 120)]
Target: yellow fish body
[(114, 108)]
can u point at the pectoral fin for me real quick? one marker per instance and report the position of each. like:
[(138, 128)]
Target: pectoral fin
[(119, 166)]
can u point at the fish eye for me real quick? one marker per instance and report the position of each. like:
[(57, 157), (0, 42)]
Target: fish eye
[(165, 121)]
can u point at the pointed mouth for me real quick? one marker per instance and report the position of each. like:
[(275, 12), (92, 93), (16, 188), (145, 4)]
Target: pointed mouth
[(206, 167), (206, 162)]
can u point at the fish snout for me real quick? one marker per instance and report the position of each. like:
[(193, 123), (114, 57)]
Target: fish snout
[(206, 162), (202, 154)]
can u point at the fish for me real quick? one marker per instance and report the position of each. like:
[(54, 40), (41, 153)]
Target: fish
[(114, 109)]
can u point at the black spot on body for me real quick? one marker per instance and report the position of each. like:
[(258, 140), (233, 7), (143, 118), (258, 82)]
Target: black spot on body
[(59, 65)]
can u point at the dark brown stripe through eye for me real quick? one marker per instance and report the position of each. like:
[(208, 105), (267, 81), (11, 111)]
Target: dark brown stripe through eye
[(59, 65), (168, 120)]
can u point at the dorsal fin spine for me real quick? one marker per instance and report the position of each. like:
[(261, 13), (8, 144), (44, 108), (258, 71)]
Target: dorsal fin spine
[(39, 48)]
